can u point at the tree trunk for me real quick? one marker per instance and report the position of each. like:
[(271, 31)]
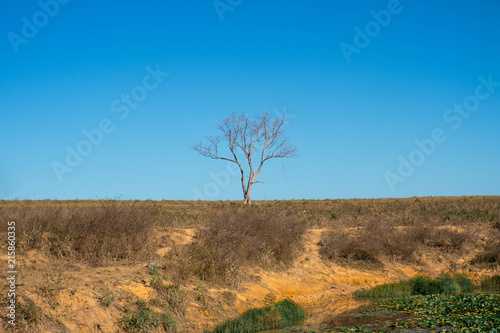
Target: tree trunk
[(247, 200)]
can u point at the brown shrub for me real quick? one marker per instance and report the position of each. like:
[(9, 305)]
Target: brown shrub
[(381, 238), (496, 224), (394, 242), (491, 252), (96, 234), (340, 245), (447, 239), (490, 255), (29, 317), (236, 238), (369, 243), (86, 229)]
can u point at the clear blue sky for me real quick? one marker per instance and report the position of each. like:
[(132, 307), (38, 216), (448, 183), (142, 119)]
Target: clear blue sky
[(64, 69)]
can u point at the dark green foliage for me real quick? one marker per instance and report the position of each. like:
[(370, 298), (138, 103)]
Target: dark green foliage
[(420, 285), (465, 284), (428, 286), (464, 312), (280, 315), (388, 290), (491, 284)]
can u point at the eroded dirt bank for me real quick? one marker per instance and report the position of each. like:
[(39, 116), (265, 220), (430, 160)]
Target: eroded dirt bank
[(77, 298)]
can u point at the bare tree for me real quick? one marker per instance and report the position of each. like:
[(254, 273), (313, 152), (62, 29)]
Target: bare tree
[(263, 136)]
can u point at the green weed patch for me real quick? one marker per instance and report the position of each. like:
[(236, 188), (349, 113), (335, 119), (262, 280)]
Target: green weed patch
[(420, 285), (280, 315)]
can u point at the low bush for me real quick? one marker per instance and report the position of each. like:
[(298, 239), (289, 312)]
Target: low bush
[(170, 294), (237, 238), (420, 285), (490, 254), (280, 315), (379, 238), (388, 290), (369, 243), (97, 234), (428, 286), (448, 240), (338, 245), (496, 224), (465, 284)]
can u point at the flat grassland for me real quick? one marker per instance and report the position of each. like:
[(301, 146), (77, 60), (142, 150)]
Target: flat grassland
[(155, 266)]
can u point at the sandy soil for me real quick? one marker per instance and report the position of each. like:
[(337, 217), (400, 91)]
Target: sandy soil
[(73, 296)]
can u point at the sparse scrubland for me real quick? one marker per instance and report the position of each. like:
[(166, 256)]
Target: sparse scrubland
[(166, 266), (238, 238)]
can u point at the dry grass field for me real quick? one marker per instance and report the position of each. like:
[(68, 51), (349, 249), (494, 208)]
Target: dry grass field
[(155, 266)]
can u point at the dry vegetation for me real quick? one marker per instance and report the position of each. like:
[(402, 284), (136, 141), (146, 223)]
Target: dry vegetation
[(236, 238), (97, 234), (228, 242), (381, 239)]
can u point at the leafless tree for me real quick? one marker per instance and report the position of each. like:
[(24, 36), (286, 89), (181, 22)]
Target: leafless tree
[(263, 136)]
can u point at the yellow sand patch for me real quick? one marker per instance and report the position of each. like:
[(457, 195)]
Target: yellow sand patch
[(139, 290)]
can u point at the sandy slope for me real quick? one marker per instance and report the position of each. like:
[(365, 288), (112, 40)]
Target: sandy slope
[(70, 294)]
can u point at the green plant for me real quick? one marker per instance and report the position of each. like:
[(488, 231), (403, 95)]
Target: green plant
[(475, 214), (145, 319), (465, 284), (427, 286), (106, 299), (201, 294), (171, 294), (420, 285), (27, 312), (389, 290), (153, 268), (491, 284), (50, 288), (464, 312), (280, 315)]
